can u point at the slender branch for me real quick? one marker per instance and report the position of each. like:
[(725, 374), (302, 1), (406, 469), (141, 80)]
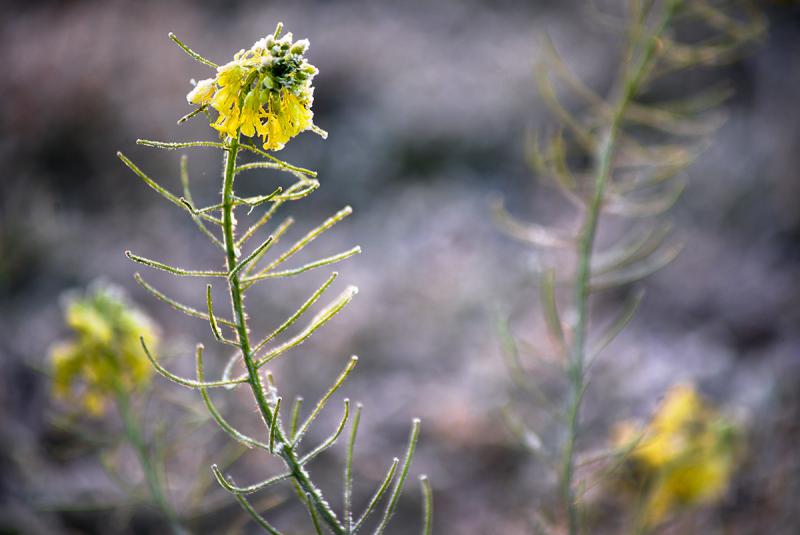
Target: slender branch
[(401, 478), (249, 258), (193, 113), (172, 269), (333, 259), (298, 403), (233, 489), (382, 488), (260, 520), (331, 440), (187, 382), (276, 236), (305, 240), (180, 203), (318, 321), (212, 409), (194, 55), (348, 471), (281, 163), (427, 510), (189, 311), (188, 196), (174, 145), (321, 404), (273, 429)]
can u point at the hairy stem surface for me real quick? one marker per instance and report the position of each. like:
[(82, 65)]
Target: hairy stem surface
[(283, 445)]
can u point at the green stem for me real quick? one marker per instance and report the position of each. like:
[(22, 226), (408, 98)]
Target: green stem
[(283, 445), (135, 437), (577, 357)]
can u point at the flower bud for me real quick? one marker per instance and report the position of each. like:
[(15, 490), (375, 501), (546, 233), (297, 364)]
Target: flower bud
[(202, 92), (300, 47)]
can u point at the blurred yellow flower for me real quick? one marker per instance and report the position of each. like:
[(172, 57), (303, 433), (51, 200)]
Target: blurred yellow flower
[(685, 456), (264, 91), (105, 354)]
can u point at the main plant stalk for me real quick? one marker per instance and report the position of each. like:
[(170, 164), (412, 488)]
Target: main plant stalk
[(283, 445)]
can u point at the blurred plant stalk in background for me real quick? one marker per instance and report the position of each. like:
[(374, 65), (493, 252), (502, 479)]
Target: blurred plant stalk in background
[(637, 149)]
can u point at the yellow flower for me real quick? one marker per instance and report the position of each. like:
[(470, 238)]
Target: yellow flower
[(685, 456), (105, 354), (265, 91), (252, 115), (287, 117), (202, 92)]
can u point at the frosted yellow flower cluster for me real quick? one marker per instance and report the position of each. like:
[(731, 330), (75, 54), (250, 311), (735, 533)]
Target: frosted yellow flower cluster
[(105, 354), (264, 91), (685, 456)]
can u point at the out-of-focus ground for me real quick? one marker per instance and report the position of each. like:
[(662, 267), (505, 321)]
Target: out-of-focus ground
[(427, 105)]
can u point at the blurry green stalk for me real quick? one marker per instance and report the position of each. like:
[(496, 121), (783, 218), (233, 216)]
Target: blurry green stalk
[(644, 46), (135, 437)]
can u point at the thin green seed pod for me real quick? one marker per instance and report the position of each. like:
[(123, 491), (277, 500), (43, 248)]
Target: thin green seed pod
[(308, 238), (273, 428), (192, 54), (298, 403), (189, 311), (299, 312), (401, 479), (348, 470), (265, 245), (427, 510), (174, 270), (250, 489), (331, 440), (186, 382), (321, 404), (212, 409), (184, 172), (307, 267), (384, 486), (260, 520)]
